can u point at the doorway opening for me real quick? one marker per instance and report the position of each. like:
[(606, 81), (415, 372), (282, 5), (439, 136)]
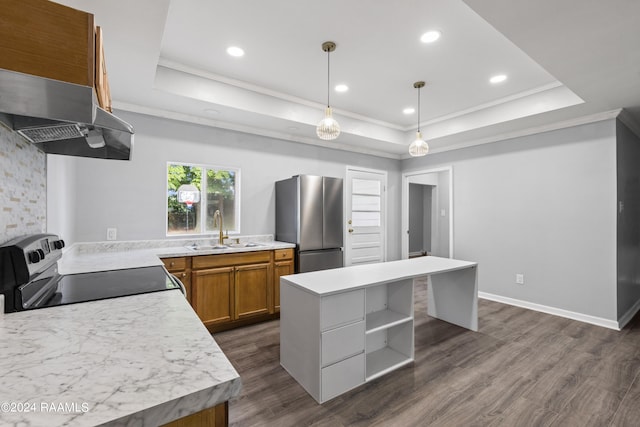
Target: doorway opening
[(427, 213), (422, 232)]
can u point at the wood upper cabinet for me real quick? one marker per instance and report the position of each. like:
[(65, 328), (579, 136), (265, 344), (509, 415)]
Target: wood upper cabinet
[(102, 81), (47, 39), (212, 294)]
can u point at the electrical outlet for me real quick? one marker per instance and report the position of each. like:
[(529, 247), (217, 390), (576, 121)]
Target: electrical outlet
[(112, 233), (520, 279)]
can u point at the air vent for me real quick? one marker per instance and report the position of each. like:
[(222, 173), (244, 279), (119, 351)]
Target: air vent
[(52, 133)]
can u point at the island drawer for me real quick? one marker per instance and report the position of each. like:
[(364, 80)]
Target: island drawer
[(280, 254), (342, 376), (341, 309), (341, 343), (175, 264)]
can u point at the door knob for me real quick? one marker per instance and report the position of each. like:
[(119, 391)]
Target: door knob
[(349, 222), (350, 230)]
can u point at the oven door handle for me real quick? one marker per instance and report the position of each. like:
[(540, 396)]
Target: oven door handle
[(179, 282)]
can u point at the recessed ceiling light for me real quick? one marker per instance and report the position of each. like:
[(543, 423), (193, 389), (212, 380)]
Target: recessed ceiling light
[(498, 78), (235, 51), (409, 110), (211, 111), (341, 88), (430, 36)]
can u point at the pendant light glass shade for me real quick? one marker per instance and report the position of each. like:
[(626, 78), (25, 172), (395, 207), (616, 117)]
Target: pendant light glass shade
[(419, 146), (328, 128)]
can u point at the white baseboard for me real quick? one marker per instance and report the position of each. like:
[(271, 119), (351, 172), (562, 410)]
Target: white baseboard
[(629, 314), (598, 321)]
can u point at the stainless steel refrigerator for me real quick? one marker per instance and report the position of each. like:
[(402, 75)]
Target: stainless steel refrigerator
[(309, 214)]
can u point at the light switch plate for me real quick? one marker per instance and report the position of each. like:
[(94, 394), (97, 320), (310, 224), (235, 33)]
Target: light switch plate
[(520, 279)]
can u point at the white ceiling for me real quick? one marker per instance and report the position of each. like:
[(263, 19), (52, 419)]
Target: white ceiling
[(566, 61)]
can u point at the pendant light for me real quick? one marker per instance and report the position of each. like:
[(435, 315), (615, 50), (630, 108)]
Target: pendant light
[(419, 147), (328, 128)]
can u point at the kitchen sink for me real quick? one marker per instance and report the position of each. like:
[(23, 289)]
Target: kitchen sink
[(245, 245), (207, 247), (223, 247)]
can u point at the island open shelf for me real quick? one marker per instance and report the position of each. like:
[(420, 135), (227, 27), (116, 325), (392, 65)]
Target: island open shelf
[(388, 349), (389, 304), (385, 319)]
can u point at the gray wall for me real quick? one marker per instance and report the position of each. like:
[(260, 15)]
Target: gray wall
[(131, 196), (416, 218), (628, 145), (23, 193), (443, 190), (427, 197), (542, 205)]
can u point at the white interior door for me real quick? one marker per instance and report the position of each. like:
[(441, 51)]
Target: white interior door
[(365, 214)]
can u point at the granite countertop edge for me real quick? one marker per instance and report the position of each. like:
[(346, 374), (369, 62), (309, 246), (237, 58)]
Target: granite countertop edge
[(105, 256)]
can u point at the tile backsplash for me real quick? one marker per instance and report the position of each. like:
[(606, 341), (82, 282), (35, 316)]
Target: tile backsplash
[(23, 192)]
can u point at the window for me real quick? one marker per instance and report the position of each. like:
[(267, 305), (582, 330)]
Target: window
[(190, 209)]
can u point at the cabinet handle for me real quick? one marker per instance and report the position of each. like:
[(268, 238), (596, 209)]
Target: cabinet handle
[(172, 263), (184, 274)]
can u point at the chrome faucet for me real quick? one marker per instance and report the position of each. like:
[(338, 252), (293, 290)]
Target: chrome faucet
[(218, 216)]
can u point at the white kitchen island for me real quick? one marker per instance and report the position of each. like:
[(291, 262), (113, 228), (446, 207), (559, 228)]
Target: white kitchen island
[(341, 328)]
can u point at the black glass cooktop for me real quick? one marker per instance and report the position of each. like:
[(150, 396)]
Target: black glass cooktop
[(74, 288)]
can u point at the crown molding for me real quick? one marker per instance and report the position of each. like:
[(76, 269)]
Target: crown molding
[(188, 118), (577, 121), (500, 101)]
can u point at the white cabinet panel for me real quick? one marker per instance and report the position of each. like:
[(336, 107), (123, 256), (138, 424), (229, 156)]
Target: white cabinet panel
[(341, 343), (342, 376), (340, 309)]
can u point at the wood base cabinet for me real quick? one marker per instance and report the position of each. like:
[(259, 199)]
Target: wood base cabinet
[(283, 266), (253, 290), (233, 289), (181, 268), (218, 416), (236, 289), (212, 295)]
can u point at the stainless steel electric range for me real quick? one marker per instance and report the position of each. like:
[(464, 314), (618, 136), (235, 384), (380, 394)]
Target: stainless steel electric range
[(29, 277)]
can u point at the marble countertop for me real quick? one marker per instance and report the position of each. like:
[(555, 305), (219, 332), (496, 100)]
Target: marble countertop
[(142, 360), (104, 256)]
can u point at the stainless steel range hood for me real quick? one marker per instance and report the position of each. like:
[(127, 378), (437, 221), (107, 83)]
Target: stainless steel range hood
[(62, 118)]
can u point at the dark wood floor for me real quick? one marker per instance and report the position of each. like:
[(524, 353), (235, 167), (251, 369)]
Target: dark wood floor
[(522, 368)]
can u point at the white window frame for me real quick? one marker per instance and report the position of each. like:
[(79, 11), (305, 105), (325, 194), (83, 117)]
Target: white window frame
[(203, 201)]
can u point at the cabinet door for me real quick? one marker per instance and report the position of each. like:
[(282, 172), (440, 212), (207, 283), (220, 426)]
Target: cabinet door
[(212, 295), (282, 268), (253, 290)]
